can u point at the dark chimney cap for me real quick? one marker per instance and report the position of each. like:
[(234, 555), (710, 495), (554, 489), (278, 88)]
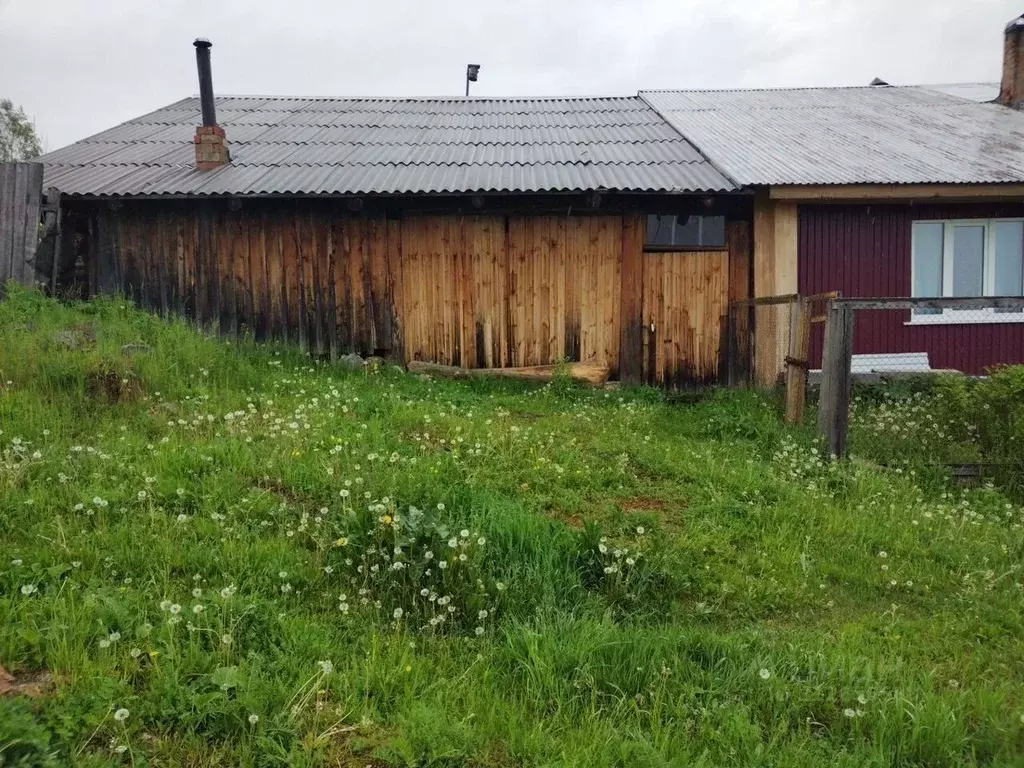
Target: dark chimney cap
[(878, 81), (202, 42), (1015, 24)]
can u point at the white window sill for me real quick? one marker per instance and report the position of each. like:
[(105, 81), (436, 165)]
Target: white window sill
[(966, 317)]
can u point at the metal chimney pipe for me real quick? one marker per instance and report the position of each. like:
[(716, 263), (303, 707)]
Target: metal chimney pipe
[(205, 80)]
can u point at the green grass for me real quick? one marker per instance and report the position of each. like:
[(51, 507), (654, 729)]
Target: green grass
[(664, 585)]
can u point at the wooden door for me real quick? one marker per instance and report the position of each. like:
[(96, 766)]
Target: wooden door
[(685, 303)]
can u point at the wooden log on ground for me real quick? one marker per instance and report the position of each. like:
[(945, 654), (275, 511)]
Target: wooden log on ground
[(583, 373)]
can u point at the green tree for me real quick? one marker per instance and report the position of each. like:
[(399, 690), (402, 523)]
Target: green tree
[(18, 139)]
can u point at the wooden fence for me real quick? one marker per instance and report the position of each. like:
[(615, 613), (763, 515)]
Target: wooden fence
[(769, 344), (21, 193)]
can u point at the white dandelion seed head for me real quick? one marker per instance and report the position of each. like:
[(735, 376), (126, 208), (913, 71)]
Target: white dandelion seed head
[(254, 718), (326, 666), (121, 715), (765, 674)]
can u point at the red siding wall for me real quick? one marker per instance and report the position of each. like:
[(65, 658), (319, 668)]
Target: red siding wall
[(864, 251)]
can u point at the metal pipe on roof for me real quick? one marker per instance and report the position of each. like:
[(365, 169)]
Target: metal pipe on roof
[(203, 47)]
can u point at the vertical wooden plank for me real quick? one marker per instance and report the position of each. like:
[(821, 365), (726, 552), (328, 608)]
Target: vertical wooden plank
[(33, 195), (797, 363), (6, 225), (276, 276), (331, 289), (517, 256), (257, 275), (317, 243), (836, 379), (18, 215), (396, 288)]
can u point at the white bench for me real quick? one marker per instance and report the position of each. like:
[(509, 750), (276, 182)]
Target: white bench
[(901, 362)]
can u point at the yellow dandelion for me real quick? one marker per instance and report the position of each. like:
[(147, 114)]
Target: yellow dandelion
[(343, 541), (387, 520)]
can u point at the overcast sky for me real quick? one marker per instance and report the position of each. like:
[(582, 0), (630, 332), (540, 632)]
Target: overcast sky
[(80, 66)]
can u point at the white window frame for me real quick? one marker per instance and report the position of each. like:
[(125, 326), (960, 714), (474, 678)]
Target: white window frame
[(988, 277)]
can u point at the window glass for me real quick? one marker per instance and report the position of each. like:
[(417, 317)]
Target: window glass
[(1008, 270), (686, 231), (968, 260), (928, 238)]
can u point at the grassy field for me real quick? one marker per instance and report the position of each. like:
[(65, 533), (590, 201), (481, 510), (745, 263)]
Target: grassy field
[(216, 554)]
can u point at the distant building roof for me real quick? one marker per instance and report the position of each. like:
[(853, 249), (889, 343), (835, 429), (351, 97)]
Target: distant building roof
[(391, 146), (872, 134)]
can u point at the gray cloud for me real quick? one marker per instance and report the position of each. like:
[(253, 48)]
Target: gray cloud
[(79, 66)]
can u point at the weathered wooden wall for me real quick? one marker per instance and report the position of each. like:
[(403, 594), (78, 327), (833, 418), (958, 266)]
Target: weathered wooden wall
[(21, 193), (476, 290)]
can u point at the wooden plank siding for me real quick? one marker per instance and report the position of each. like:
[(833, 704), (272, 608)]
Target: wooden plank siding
[(474, 290)]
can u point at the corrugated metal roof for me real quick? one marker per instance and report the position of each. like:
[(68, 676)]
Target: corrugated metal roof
[(391, 146), (885, 135)]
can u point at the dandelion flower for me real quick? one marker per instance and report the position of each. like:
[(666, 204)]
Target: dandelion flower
[(114, 637), (862, 699), (282, 574), (464, 533), (500, 586), (479, 631), (175, 609), (481, 614), (640, 530), (254, 718), (28, 589), (197, 592), (849, 712), (326, 666), (225, 639), (341, 542), (227, 592), (165, 605), (104, 643), (765, 674), (398, 613), (121, 715)]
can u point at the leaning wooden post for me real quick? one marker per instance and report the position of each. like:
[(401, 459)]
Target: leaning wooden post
[(836, 380), (796, 360)]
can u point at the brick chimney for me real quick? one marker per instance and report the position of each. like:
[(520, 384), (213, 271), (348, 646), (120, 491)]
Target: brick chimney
[(1011, 90), (210, 141)]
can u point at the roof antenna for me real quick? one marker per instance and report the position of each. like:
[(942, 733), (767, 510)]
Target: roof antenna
[(472, 72)]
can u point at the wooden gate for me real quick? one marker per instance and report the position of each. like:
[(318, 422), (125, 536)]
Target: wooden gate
[(21, 192), (685, 303)]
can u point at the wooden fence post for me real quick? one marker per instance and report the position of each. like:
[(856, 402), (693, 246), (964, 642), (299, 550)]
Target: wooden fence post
[(796, 360), (836, 380)]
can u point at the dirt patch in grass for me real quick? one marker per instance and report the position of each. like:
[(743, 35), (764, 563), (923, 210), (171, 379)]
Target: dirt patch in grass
[(113, 386), (31, 684), (644, 504)]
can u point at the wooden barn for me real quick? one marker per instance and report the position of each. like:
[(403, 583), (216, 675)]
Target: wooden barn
[(470, 232)]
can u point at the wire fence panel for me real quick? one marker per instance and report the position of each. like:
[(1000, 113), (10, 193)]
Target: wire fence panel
[(932, 354)]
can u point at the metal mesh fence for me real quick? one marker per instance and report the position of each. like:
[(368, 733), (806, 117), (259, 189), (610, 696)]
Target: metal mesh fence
[(968, 336)]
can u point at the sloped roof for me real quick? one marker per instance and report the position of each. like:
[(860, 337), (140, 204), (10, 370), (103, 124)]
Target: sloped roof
[(391, 146), (873, 134)]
